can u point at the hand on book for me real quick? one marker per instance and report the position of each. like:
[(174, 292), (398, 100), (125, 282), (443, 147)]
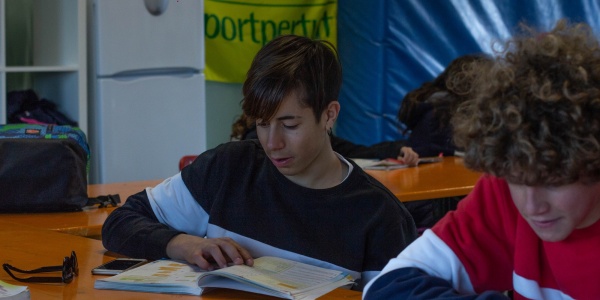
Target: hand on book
[(208, 253), (408, 156), (272, 276)]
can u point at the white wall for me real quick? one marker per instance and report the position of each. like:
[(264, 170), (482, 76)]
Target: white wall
[(222, 109)]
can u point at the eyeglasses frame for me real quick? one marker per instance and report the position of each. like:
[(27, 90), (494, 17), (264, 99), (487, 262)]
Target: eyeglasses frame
[(69, 268)]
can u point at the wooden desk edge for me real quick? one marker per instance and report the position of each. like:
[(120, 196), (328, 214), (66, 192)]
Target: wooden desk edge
[(85, 231), (442, 193)]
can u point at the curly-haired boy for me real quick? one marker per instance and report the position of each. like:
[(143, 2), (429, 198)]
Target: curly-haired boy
[(530, 226)]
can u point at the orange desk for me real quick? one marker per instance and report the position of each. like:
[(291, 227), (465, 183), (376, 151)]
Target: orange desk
[(448, 178), (86, 223), (28, 248)]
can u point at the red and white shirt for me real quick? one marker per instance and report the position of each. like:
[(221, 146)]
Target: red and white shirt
[(487, 245)]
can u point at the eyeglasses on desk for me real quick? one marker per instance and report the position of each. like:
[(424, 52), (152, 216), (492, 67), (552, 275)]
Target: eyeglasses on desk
[(69, 269)]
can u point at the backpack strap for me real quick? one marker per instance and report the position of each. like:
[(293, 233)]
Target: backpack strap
[(104, 201)]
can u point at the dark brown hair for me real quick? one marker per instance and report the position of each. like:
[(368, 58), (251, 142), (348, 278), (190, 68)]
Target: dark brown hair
[(450, 88), (534, 117), (289, 64)]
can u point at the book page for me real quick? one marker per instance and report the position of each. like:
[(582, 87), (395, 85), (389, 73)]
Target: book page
[(166, 276), (269, 275), (281, 275), (10, 290)]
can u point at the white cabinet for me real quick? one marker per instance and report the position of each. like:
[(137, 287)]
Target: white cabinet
[(43, 47)]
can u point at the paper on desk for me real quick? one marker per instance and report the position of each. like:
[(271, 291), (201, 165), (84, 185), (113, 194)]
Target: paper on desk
[(17, 292), (390, 163), (375, 164)]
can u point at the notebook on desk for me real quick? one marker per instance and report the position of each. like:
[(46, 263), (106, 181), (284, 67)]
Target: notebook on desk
[(391, 163)]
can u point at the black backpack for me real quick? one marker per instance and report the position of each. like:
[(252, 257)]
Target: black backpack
[(44, 168)]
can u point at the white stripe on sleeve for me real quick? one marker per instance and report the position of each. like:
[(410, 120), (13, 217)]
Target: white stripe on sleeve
[(430, 254), (532, 290), (174, 206)]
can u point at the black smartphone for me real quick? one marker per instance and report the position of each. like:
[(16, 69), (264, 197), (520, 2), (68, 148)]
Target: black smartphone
[(118, 265)]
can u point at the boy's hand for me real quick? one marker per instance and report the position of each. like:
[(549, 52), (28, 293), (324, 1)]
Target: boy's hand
[(409, 156), (205, 253)]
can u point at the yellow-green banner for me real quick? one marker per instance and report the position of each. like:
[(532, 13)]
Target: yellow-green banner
[(235, 30)]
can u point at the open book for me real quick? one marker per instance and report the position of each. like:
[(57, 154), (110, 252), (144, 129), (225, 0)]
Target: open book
[(391, 163), (269, 276)]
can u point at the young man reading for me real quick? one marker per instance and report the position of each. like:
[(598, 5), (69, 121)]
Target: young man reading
[(287, 194), (530, 225)]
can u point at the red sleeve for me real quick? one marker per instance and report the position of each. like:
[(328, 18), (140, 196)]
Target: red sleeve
[(481, 232)]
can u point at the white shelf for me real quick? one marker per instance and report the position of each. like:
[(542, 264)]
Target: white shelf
[(43, 47), (72, 68)]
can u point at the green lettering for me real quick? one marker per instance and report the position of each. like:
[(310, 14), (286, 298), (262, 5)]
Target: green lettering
[(265, 39), (208, 25), (233, 28), (326, 23), (303, 22), (284, 27), (315, 29), (262, 31), (242, 23), (252, 25)]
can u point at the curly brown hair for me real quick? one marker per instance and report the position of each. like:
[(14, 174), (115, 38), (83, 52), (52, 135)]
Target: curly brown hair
[(534, 115), (240, 127)]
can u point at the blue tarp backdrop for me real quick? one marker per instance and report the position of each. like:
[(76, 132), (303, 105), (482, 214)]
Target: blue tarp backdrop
[(389, 47)]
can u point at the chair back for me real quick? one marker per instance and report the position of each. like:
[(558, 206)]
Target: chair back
[(186, 160)]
